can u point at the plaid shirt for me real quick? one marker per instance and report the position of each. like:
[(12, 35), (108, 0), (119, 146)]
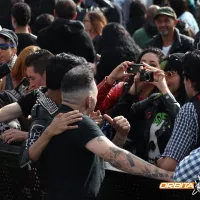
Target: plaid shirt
[(189, 168), (185, 133)]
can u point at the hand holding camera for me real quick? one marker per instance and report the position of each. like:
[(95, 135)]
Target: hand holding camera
[(141, 77), (120, 72), (158, 78), (152, 75)]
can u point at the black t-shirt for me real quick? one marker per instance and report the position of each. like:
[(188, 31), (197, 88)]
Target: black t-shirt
[(28, 101), (74, 173), (25, 40)]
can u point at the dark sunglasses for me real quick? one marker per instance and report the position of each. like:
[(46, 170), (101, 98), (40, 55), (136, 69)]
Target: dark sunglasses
[(5, 46)]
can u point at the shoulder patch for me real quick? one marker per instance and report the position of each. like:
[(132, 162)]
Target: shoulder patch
[(46, 102)]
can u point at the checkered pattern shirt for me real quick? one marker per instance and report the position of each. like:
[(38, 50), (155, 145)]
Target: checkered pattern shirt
[(189, 168), (185, 133)]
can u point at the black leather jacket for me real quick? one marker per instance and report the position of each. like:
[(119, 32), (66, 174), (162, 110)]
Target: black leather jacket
[(181, 44), (42, 114), (153, 116)]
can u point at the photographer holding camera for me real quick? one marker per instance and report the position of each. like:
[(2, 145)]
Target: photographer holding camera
[(152, 118), (121, 78)]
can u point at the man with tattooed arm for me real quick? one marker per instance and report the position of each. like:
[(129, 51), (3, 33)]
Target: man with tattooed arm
[(76, 159)]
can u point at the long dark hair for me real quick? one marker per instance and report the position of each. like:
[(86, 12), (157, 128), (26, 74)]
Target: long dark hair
[(158, 52), (117, 47), (174, 62), (137, 16)]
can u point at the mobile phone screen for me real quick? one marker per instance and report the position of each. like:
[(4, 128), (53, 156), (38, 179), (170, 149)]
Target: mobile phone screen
[(22, 87)]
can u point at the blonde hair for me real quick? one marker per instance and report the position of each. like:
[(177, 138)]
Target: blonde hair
[(98, 21)]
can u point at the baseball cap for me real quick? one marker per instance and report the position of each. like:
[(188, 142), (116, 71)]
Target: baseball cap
[(166, 11), (174, 62), (11, 35)]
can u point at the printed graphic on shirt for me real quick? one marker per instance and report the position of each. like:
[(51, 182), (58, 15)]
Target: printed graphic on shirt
[(158, 123), (34, 134)]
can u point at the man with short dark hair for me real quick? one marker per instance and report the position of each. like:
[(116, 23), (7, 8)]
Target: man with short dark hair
[(21, 17), (75, 158), (36, 71), (36, 64), (169, 39), (46, 105), (66, 34), (186, 132), (43, 21)]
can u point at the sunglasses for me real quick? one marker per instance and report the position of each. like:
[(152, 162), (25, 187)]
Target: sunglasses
[(5, 46)]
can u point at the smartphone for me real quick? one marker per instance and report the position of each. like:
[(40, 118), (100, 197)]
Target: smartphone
[(22, 87), (134, 68), (4, 70)]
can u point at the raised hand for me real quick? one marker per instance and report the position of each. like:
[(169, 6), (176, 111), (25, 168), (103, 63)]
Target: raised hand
[(119, 72)]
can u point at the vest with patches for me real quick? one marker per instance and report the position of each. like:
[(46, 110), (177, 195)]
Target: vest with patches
[(44, 108)]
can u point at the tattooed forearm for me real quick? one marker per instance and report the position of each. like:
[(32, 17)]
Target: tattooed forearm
[(147, 172), (130, 160), (118, 141), (115, 151), (127, 162)]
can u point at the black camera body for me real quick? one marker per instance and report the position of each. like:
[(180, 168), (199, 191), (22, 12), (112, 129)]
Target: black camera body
[(146, 76), (134, 68)]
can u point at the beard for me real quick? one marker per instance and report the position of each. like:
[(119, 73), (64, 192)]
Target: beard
[(163, 33)]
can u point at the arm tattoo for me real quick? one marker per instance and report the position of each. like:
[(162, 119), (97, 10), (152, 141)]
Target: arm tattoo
[(154, 173), (127, 162), (118, 141), (115, 151), (130, 160)]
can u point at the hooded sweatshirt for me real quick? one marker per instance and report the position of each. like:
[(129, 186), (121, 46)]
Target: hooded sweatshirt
[(67, 36)]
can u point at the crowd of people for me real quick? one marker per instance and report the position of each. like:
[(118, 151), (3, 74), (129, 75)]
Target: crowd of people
[(84, 83)]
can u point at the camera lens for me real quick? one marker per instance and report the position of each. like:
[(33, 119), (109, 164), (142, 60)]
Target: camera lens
[(147, 76)]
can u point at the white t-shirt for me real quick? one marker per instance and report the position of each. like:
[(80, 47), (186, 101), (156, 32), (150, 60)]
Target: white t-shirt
[(166, 49)]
